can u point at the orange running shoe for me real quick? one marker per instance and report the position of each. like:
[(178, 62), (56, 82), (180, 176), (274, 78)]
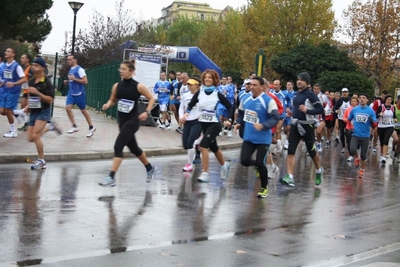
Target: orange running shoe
[(361, 173), (357, 162)]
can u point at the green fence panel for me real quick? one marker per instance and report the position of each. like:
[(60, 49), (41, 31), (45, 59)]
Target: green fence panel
[(101, 79)]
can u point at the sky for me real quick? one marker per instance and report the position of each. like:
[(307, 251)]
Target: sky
[(61, 15)]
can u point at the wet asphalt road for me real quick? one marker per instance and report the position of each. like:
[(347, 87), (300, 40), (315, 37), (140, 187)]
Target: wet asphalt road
[(61, 217)]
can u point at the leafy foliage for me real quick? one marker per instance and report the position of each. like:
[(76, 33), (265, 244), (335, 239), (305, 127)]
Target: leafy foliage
[(24, 20), (354, 81)]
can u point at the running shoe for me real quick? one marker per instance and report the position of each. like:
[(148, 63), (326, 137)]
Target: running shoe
[(204, 177), (188, 168), (151, 173), (38, 165), (91, 132), (73, 130), (286, 180), (327, 144), (286, 145), (162, 126), (318, 177), (361, 173), (350, 159), (262, 193), (343, 150), (230, 133), (108, 181), (279, 147), (374, 149), (220, 133), (179, 130), (274, 170), (225, 131), (337, 140), (225, 170), (197, 160), (10, 134), (398, 158), (319, 147), (23, 128), (54, 127), (168, 126), (357, 162), (382, 160)]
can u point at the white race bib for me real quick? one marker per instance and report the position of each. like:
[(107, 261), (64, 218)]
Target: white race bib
[(387, 121), (125, 105), (7, 74), (397, 125), (34, 102), (208, 116), (251, 116), (24, 86), (328, 112)]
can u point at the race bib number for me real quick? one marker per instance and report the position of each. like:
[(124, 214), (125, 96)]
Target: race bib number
[(7, 74), (387, 121), (125, 106), (397, 125), (362, 118), (251, 116), (24, 86), (341, 112), (163, 90), (328, 112), (34, 102), (208, 116)]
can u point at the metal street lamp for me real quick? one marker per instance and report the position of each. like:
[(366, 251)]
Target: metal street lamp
[(75, 7)]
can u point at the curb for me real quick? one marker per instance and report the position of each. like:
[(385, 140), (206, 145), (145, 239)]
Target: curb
[(98, 155)]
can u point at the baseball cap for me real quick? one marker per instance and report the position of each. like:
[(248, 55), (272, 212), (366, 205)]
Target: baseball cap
[(246, 81), (345, 90)]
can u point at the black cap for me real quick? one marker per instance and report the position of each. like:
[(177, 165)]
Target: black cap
[(364, 94), (305, 77)]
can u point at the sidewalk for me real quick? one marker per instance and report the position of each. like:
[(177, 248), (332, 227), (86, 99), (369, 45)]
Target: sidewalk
[(77, 146)]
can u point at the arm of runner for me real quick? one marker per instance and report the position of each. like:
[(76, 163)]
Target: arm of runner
[(142, 89), (113, 98)]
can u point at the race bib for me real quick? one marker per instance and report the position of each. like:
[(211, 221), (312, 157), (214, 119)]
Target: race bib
[(34, 102), (208, 116), (7, 74), (397, 125), (387, 121), (328, 112), (251, 116), (24, 86), (125, 105), (163, 90), (362, 118)]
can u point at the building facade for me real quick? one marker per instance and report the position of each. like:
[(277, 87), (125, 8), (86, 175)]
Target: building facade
[(199, 11)]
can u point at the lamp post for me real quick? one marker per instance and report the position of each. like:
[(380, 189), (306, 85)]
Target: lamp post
[(75, 7)]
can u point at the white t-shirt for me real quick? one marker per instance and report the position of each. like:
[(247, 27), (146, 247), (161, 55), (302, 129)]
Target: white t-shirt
[(19, 70)]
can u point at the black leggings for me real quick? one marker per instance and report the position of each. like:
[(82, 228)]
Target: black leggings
[(342, 127), (308, 138), (384, 135), (262, 152), (349, 134), (126, 137), (191, 132), (362, 142), (210, 133)]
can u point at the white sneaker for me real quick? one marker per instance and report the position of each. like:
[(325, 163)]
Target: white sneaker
[(286, 145), (374, 150), (10, 134), (168, 126), (225, 170), (73, 130), (162, 126), (319, 147), (350, 159), (382, 160), (279, 147), (343, 150), (204, 177), (273, 172), (220, 133), (91, 132), (225, 131), (230, 133)]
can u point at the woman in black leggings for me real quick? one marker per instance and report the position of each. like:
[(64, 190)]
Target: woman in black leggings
[(386, 119), (126, 94)]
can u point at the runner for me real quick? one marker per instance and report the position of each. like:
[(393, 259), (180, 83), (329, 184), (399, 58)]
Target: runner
[(162, 89), (40, 96), (207, 99), (222, 111), (192, 129), (126, 94), (321, 118), (349, 124), (26, 66), (305, 106), (174, 93), (386, 118), (77, 80), (363, 117), (397, 130), (260, 115), (375, 105), (330, 118), (340, 107), (287, 122), (11, 81)]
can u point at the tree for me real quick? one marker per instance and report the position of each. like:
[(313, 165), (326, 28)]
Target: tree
[(313, 59), (20, 48), (373, 27), (354, 81), (279, 25), (103, 41), (178, 34), (25, 20)]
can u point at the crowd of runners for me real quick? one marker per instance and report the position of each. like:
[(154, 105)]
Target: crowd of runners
[(207, 106)]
